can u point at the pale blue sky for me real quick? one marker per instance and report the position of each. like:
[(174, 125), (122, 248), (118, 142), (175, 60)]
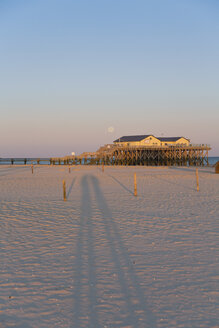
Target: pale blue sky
[(69, 70)]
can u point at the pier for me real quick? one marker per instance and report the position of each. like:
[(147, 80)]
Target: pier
[(178, 155), (191, 155)]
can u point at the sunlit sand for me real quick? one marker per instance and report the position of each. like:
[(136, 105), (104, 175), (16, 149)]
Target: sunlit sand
[(104, 257)]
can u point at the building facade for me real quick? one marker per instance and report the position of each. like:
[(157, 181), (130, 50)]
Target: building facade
[(150, 140)]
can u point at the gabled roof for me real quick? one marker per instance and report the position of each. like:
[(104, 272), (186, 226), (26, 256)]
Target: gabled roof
[(142, 137), (132, 138), (169, 139)]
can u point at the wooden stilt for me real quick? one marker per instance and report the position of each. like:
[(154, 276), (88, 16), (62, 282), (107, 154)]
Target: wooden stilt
[(217, 167)]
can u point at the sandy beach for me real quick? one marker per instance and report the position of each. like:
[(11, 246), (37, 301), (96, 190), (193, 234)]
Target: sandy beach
[(105, 258)]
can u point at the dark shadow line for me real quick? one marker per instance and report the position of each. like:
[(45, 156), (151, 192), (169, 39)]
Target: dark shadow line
[(121, 184), (92, 280), (86, 229), (131, 318), (78, 272), (71, 186), (114, 237), (189, 169), (173, 183)]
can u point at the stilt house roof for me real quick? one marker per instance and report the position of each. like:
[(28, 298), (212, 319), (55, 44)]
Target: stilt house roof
[(132, 138)]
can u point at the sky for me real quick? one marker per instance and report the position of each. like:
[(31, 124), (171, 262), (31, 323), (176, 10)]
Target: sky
[(75, 75)]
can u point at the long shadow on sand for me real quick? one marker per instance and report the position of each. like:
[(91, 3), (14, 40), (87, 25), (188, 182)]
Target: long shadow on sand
[(174, 183), (124, 267), (190, 169), (121, 184), (71, 186), (85, 271)]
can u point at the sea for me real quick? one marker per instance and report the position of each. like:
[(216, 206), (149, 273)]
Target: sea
[(213, 160)]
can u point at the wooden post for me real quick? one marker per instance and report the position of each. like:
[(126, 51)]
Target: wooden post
[(135, 185), (103, 167), (217, 167), (69, 169), (32, 168), (197, 180), (64, 190)]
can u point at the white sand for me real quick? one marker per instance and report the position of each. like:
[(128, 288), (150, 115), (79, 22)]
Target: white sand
[(106, 258)]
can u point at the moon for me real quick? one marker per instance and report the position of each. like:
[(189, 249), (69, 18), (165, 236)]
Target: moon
[(110, 129)]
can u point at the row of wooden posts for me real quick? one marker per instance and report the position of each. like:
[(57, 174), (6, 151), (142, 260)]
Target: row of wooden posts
[(135, 182), (64, 185)]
